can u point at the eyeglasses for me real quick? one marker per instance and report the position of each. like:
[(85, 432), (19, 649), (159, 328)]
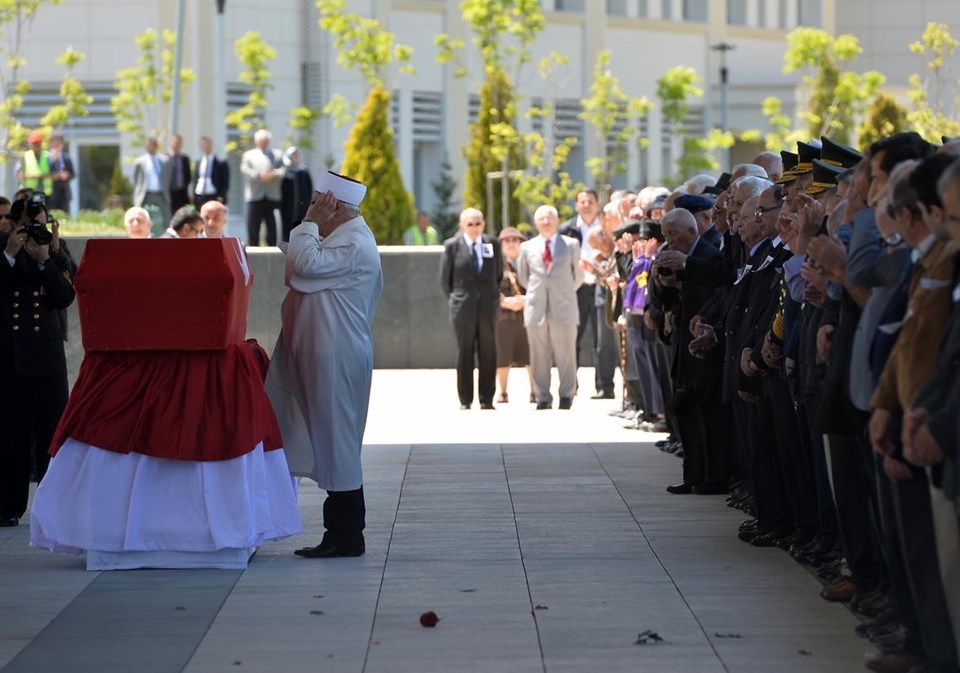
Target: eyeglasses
[(760, 211)]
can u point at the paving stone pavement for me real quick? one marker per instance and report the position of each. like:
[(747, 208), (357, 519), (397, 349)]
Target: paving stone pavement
[(543, 540)]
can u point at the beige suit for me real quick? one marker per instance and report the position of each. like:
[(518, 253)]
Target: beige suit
[(551, 314)]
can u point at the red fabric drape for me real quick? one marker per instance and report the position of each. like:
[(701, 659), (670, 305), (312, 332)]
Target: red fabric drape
[(179, 405)]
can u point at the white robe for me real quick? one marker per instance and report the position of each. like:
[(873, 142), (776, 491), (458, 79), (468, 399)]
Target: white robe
[(319, 376)]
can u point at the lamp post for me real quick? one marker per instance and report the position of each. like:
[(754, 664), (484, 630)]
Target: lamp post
[(177, 63), (220, 93), (723, 48)]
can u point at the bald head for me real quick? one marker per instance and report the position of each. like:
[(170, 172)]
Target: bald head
[(771, 163), (747, 170), (137, 222), (214, 216)]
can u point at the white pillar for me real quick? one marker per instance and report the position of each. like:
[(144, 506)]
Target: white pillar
[(404, 135), (633, 8), (456, 97), (593, 27), (773, 13), (655, 166), (654, 9), (828, 12), (753, 13), (676, 10), (792, 11)]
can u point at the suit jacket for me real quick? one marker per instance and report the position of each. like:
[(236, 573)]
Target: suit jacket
[(219, 177), (571, 230), (713, 236), (551, 293), (472, 294), (691, 297), (184, 162), (62, 193), (254, 162), (140, 169)]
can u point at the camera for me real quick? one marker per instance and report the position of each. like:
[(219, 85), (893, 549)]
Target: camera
[(36, 204), (664, 271)]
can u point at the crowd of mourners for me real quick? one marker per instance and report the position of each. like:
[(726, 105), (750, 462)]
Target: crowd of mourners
[(796, 325)]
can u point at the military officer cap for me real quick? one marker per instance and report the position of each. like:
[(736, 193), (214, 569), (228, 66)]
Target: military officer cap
[(789, 160), (824, 176), (806, 153), (838, 154), (694, 203)]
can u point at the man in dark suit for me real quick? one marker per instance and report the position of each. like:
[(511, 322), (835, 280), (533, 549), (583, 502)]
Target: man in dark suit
[(702, 208), (35, 283), (61, 170), (179, 174), (212, 176), (470, 272), (697, 376)]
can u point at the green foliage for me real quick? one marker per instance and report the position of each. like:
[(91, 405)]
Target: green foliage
[(781, 135), (883, 118), (144, 92), (73, 93), (254, 55), (935, 118), (91, 222), (837, 96), (674, 88), (302, 120), (495, 145), (444, 216), (615, 118), (371, 159), (503, 31), (120, 186), (363, 43), (16, 20)]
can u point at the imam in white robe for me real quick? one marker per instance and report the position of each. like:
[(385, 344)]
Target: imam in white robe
[(319, 377)]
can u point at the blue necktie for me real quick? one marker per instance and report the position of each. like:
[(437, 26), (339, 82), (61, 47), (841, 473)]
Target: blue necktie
[(477, 262)]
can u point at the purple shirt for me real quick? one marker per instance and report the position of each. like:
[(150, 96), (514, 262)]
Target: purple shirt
[(635, 292)]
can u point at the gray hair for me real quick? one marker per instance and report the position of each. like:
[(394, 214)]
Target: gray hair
[(262, 133), (748, 170), (751, 186), (698, 183), (680, 217), (545, 209)]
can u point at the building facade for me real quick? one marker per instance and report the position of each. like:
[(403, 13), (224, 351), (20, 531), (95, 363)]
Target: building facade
[(431, 109)]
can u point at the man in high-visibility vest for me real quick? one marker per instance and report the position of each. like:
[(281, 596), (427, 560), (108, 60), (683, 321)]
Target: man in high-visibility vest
[(33, 171), (421, 233)]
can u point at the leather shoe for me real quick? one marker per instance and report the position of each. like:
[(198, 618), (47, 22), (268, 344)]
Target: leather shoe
[(748, 534), (748, 524), (464, 407), (9, 521), (893, 663), (486, 405), (329, 550), (766, 540), (565, 403), (603, 396), (710, 489), (680, 489), (543, 405), (842, 592)]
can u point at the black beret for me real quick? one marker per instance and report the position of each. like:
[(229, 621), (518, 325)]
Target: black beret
[(694, 203), (650, 229), (628, 227)]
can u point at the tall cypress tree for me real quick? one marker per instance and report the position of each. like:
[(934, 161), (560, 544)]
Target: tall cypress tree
[(371, 159)]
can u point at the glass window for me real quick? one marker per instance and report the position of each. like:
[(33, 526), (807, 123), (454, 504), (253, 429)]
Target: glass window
[(695, 10), (784, 19), (617, 7), (642, 9), (569, 5), (737, 12), (666, 9), (809, 14), (762, 13)]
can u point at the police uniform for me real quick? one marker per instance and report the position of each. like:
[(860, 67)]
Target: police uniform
[(33, 369)]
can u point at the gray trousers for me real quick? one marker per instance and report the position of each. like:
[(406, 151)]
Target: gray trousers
[(552, 343)]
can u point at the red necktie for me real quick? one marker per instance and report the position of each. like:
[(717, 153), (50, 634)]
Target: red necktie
[(547, 255)]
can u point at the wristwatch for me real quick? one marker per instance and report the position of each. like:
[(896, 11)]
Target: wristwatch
[(893, 240)]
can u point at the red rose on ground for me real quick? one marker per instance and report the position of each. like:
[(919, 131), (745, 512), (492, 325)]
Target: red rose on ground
[(429, 619)]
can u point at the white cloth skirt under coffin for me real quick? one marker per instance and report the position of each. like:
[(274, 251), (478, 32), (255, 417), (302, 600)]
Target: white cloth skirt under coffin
[(97, 500)]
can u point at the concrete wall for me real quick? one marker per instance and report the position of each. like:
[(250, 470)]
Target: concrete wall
[(411, 331)]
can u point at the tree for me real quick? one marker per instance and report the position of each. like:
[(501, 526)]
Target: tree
[(837, 96), (444, 216), (73, 93), (254, 54), (546, 180), (370, 158), (615, 118), (144, 92), (674, 89), (16, 20), (494, 143), (883, 118), (781, 135), (503, 32), (935, 118), (302, 121)]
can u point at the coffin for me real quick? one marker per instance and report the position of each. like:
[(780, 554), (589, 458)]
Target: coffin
[(163, 294)]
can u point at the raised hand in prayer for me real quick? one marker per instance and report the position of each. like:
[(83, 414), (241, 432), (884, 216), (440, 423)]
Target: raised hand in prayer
[(322, 208), (809, 220), (829, 254)]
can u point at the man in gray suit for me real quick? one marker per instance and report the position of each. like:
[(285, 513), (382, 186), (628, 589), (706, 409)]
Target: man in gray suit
[(549, 267), (151, 180), (263, 172)]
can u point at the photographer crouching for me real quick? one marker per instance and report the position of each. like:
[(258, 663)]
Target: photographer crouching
[(35, 283)]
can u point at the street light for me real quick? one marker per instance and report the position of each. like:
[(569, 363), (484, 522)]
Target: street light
[(723, 48)]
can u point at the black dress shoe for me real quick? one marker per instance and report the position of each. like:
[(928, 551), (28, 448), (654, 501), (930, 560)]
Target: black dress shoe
[(486, 405), (542, 405), (766, 540), (664, 442), (680, 489), (604, 396), (9, 521), (749, 534), (566, 402), (464, 407), (749, 524), (328, 550), (710, 489)]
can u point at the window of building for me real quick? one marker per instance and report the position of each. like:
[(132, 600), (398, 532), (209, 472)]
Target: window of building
[(784, 19), (695, 10), (809, 11), (569, 6), (762, 13), (617, 7), (737, 12), (642, 9), (666, 9)]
